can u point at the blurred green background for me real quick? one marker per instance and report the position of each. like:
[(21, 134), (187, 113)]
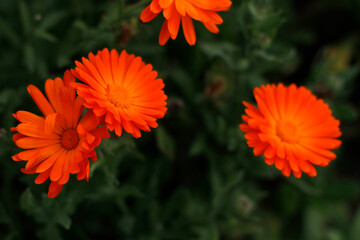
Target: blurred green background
[(194, 177)]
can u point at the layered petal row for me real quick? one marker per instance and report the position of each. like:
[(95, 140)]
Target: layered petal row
[(292, 129), (60, 142), (122, 89), (184, 11)]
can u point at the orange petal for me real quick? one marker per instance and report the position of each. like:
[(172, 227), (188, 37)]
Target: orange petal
[(165, 3), (155, 6), (54, 189), (286, 171), (42, 177), (48, 163), (174, 24), (57, 168), (164, 34), (50, 123), (40, 100), (89, 121), (211, 27), (189, 31), (30, 142), (180, 7), (65, 175), (28, 117), (280, 163), (101, 132)]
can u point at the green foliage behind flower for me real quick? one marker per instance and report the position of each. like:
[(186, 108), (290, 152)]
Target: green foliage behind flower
[(193, 177)]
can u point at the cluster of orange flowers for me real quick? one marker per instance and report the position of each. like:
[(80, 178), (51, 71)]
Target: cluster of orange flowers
[(119, 91), (291, 127)]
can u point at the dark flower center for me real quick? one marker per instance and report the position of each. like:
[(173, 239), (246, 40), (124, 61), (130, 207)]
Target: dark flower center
[(70, 139)]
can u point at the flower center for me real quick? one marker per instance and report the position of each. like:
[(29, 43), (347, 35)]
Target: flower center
[(70, 139), (287, 131), (119, 97)]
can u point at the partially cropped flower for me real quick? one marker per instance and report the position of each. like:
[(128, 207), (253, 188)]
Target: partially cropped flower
[(291, 128), (61, 142), (176, 11), (123, 89)]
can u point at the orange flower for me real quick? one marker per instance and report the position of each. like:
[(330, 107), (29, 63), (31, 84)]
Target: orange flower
[(291, 128), (61, 142), (176, 11), (123, 89)]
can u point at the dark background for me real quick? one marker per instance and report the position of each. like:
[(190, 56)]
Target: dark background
[(193, 177)]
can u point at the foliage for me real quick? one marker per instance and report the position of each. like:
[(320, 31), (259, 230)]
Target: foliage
[(193, 177)]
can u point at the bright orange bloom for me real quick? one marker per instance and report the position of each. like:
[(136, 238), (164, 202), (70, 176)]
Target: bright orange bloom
[(176, 11), (62, 141), (291, 128), (123, 89)]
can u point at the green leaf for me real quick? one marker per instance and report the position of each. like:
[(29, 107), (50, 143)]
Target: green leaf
[(29, 204), (165, 143), (25, 18), (224, 50), (234, 180), (334, 235), (345, 112), (4, 216), (51, 20), (340, 190), (64, 220), (45, 35), (184, 81), (355, 226), (5, 95), (208, 232), (29, 57), (9, 33), (198, 146), (127, 223), (313, 224), (128, 190)]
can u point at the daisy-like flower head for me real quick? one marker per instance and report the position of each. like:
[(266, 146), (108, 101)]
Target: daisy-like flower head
[(176, 11), (291, 128), (60, 142), (123, 89)]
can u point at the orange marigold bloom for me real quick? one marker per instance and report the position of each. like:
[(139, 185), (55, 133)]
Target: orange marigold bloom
[(291, 128), (176, 11), (62, 141), (123, 89)]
